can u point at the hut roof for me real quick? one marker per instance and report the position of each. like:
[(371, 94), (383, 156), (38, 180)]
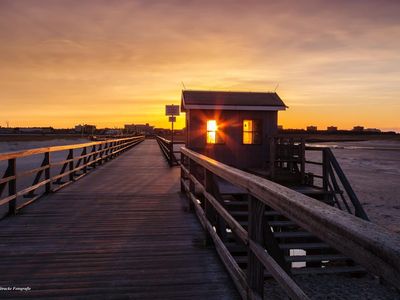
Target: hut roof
[(231, 100)]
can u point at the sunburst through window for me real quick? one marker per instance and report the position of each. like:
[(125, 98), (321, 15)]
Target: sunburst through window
[(213, 133)]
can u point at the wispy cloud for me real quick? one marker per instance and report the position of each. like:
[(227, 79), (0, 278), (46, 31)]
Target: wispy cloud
[(61, 55)]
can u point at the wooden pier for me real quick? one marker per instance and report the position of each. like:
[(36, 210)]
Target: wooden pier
[(129, 231), (123, 232)]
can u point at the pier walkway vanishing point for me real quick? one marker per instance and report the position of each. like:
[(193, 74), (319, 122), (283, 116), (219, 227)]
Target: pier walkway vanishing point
[(122, 232)]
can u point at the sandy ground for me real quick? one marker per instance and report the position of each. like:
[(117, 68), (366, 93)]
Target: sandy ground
[(373, 169)]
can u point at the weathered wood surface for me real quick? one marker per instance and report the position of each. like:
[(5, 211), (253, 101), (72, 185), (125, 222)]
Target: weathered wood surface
[(373, 247), (121, 232)]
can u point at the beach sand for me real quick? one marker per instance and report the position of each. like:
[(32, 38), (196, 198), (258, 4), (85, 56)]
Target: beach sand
[(373, 169)]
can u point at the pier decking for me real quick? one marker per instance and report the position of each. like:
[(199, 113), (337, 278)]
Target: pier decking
[(121, 232)]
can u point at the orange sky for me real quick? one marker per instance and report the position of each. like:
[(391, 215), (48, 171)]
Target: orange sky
[(70, 62)]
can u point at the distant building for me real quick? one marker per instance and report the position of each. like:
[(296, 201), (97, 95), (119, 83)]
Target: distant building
[(85, 129), (144, 129), (358, 128), (372, 130), (331, 128), (113, 132), (130, 128), (312, 128), (36, 130), (139, 128)]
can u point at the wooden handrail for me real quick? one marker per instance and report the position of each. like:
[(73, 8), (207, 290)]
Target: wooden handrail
[(334, 183), (99, 154), (167, 148), (34, 151), (358, 209), (372, 246)]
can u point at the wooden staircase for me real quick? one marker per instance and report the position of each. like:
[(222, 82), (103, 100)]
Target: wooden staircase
[(303, 252)]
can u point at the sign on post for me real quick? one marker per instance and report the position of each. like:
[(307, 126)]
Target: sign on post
[(172, 110), (172, 119)]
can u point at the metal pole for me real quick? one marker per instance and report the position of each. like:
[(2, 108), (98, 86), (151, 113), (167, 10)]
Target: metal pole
[(172, 132)]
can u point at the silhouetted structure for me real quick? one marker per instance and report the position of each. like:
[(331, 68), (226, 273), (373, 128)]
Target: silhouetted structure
[(332, 129), (312, 128), (85, 129), (358, 128), (231, 127)]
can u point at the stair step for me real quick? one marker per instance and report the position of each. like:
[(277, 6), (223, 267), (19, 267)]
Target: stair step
[(235, 203), (245, 213), (234, 247), (310, 258), (328, 270), (272, 223), (282, 223), (292, 234), (304, 246), (302, 258)]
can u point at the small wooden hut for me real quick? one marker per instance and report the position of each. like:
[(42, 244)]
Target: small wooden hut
[(232, 127)]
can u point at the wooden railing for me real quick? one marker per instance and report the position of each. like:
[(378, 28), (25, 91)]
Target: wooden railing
[(335, 182), (167, 148), (290, 155), (72, 168), (373, 247)]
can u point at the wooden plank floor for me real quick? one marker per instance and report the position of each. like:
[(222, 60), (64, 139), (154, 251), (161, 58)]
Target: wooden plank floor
[(118, 233)]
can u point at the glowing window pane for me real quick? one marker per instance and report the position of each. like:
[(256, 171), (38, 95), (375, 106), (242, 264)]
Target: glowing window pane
[(251, 132), (211, 137), (211, 131), (247, 138), (211, 125)]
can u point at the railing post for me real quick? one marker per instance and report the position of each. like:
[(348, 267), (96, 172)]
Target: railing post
[(272, 157), (71, 164), (105, 151), (94, 156), (100, 154), (47, 172), (208, 208), (182, 174), (255, 269), (171, 153), (84, 152), (12, 186), (302, 154), (325, 174), (192, 186)]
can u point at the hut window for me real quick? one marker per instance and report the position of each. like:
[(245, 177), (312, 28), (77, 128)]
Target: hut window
[(213, 134), (251, 132)]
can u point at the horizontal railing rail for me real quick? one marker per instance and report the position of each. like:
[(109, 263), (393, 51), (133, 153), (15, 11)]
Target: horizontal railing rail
[(167, 149), (72, 168), (368, 244)]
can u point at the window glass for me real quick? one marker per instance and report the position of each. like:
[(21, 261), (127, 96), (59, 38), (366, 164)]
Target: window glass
[(251, 132), (213, 137)]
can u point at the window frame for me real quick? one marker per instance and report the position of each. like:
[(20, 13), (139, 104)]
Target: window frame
[(218, 141), (260, 132)]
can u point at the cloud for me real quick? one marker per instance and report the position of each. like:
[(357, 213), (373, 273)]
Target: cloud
[(76, 52)]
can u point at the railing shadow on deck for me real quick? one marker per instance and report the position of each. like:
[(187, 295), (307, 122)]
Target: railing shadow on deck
[(70, 169), (373, 247), (167, 149)]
